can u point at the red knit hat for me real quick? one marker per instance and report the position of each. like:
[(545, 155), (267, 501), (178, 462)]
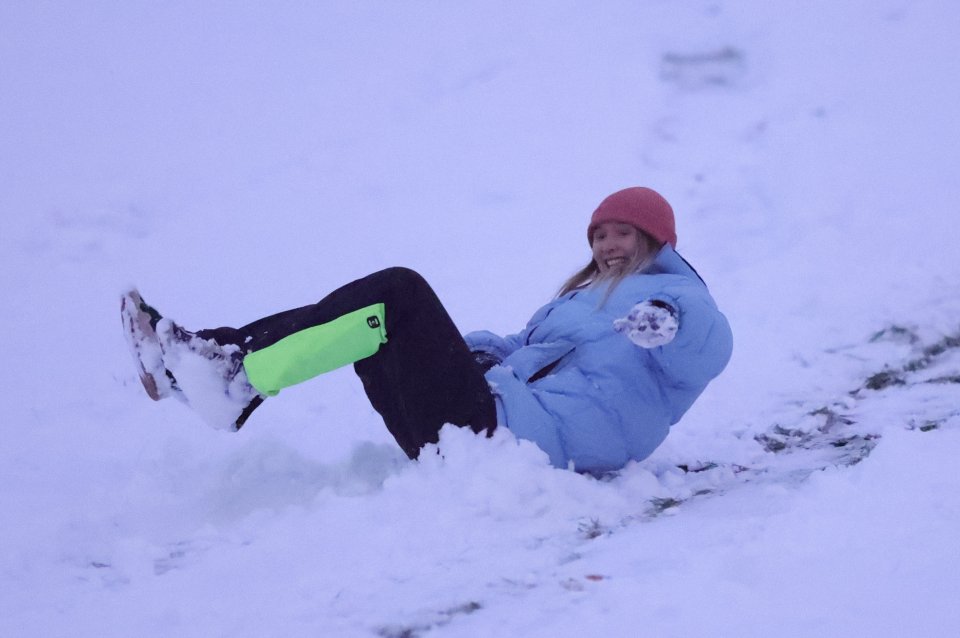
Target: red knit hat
[(642, 207)]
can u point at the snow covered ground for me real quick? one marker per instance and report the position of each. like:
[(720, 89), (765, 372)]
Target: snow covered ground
[(237, 158)]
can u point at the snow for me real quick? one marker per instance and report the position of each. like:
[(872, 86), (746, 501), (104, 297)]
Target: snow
[(236, 159)]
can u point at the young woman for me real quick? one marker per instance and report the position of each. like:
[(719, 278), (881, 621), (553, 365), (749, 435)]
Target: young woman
[(595, 379)]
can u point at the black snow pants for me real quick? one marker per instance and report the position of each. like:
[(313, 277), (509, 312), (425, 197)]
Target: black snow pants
[(423, 376)]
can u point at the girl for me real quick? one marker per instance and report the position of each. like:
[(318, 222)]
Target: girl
[(595, 379)]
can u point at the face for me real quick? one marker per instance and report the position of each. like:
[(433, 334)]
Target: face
[(615, 244)]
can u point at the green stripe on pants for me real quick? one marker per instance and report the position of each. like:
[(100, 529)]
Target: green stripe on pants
[(318, 349)]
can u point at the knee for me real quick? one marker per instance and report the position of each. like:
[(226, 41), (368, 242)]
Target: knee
[(403, 278)]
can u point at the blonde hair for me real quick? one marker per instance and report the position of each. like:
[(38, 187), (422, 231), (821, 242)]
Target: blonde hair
[(590, 275)]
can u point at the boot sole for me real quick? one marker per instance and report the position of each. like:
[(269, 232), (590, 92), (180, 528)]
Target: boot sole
[(144, 347)]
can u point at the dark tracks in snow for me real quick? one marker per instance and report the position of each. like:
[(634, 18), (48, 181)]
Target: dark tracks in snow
[(840, 437)]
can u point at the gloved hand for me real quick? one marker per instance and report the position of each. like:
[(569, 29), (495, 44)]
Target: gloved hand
[(650, 324)]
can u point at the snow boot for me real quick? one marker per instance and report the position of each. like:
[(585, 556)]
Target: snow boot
[(210, 375), (166, 355)]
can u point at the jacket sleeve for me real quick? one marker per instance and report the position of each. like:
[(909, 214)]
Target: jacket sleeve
[(490, 343), (503, 347), (704, 342)]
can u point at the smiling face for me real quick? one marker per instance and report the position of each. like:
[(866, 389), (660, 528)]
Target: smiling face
[(617, 245)]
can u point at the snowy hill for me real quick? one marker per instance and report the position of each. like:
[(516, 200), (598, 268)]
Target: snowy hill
[(236, 159)]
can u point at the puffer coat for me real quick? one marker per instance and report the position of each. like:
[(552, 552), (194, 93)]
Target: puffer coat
[(586, 394)]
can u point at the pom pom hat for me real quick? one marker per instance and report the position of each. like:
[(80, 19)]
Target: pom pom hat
[(642, 207)]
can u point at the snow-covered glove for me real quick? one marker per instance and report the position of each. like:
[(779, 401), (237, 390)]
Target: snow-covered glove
[(485, 360), (650, 324)]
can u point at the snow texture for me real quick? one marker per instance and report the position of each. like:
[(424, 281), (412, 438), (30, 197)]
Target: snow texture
[(237, 159)]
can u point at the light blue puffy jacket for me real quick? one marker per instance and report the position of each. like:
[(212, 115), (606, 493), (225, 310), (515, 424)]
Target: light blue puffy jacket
[(606, 401)]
